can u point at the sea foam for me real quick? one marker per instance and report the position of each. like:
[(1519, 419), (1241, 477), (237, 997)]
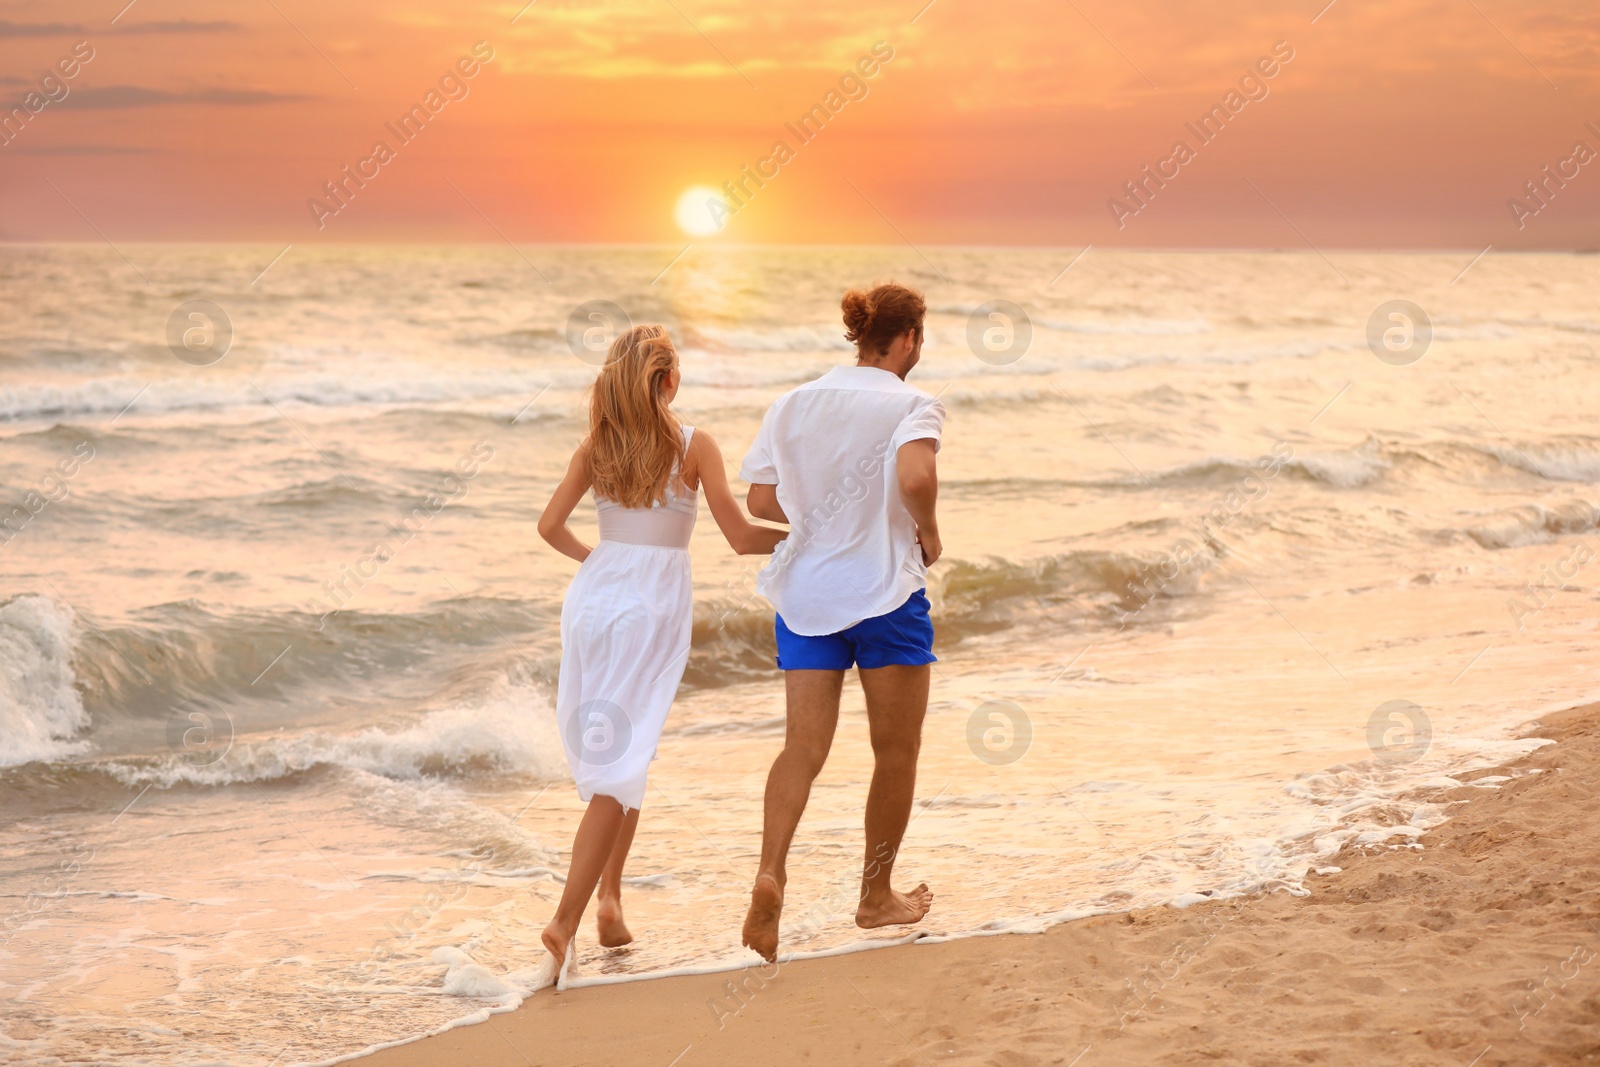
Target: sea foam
[(510, 731), (41, 711)]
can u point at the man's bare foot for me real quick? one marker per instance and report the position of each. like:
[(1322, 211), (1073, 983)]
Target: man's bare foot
[(761, 922), (608, 918), (894, 908)]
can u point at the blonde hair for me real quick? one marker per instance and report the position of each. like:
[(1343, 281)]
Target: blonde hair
[(635, 442)]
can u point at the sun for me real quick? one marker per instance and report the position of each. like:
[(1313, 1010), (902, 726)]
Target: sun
[(700, 211)]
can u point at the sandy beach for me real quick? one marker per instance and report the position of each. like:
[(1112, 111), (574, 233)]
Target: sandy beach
[(1481, 946)]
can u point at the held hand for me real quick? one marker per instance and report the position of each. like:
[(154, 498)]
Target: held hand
[(931, 546)]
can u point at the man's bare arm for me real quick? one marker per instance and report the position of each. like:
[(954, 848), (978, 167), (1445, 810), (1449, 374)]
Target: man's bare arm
[(762, 502), (917, 466)]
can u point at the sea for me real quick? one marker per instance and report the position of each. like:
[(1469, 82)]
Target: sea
[(1244, 551)]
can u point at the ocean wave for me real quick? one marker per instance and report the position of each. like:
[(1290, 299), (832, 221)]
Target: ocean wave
[(396, 385), (171, 670), (1212, 471), (1020, 488), (981, 596), (986, 395), (512, 731), (545, 340), (732, 633), (1488, 331), (1134, 327), (251, 514), (1564, 325), (193, 676), (1533, 524), (1131, 327), (1342, 469), (1374, 459), (41, 711), (1232, 355), (317, 494), (733, 641), (1558, 461), (1346, 469), (785, 338)]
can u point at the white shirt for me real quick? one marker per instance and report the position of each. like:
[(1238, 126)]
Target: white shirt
[(830, 447)]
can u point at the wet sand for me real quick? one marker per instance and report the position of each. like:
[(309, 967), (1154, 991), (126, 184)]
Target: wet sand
[(1482, 947)]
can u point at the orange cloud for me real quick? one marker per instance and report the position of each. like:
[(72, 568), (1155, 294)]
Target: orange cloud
[(1408, 124)]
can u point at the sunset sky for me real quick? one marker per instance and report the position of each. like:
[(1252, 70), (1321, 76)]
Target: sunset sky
[(1402, 124)]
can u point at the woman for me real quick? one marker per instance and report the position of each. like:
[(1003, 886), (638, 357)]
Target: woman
[(626, 621)]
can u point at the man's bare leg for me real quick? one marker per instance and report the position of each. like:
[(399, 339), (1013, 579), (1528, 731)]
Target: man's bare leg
[(811, 718), (608, 901), (897, 702)]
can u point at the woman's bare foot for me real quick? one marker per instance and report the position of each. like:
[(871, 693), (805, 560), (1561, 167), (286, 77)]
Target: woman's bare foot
[(556, 941), (608, 918), (761, 922), (894, 908)]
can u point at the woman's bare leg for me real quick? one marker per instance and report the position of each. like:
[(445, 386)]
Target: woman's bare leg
[(608, 905), (591, 849)]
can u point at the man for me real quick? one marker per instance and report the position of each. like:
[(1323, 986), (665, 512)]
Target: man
[(850, 457)]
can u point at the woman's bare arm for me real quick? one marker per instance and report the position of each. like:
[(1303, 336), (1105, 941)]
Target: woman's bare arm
[(744, 536), (553, 522)]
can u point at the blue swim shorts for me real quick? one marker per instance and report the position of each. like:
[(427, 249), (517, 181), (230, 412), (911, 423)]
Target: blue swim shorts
[(902, 637)]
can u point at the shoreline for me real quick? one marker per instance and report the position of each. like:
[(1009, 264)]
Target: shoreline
[(1405, 955)]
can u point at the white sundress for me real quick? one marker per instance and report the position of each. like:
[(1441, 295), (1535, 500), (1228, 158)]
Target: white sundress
[(625, 629)]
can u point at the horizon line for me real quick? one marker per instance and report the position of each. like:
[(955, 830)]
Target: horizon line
[(747, 246)]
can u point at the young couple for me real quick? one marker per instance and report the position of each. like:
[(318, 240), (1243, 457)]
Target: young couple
[(847, 461)]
